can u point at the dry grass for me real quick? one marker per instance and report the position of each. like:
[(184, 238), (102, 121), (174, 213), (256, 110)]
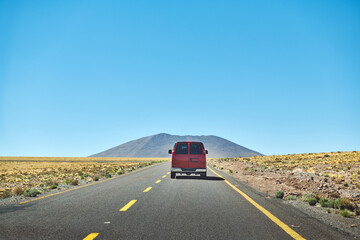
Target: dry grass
[(20, 173)]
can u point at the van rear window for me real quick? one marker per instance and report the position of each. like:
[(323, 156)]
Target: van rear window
[(181, 148), (195, 148)]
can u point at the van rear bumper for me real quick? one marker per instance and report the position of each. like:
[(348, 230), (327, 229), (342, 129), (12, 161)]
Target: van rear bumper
[(188, 170)]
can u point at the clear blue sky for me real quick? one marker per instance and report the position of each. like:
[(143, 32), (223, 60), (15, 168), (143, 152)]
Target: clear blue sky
[(79, 77)]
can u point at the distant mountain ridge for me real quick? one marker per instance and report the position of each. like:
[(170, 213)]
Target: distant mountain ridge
[(159, 144)]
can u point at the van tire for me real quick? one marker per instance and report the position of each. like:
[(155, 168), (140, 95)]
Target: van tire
[(203, 175), (172, 175)]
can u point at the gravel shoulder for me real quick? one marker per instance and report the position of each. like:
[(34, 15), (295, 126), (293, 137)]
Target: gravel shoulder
[(348, 225)]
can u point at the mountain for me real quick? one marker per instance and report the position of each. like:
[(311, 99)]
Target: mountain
[(159, 144)]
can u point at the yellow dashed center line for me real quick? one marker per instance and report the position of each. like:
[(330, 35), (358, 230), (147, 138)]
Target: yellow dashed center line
[(164, 176), (282, 225), (148, 189), (158, 181), (168, 172), (127, 206), (91, 236)]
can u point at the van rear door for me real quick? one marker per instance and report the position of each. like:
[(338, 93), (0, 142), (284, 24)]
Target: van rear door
[(197, 156), (180, 158)]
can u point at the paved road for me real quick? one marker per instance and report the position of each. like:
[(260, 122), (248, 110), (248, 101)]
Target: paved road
[(184, 208)]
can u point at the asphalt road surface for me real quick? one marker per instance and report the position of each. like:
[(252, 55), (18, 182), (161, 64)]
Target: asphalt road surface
[(147, 204)]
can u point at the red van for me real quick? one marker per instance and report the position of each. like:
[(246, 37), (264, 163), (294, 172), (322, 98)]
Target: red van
[(188, 157)]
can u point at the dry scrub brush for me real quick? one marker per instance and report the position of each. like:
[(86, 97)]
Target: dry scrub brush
[(19, 177)]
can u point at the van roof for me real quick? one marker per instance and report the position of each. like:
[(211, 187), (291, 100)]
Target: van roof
[(188, 142)]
